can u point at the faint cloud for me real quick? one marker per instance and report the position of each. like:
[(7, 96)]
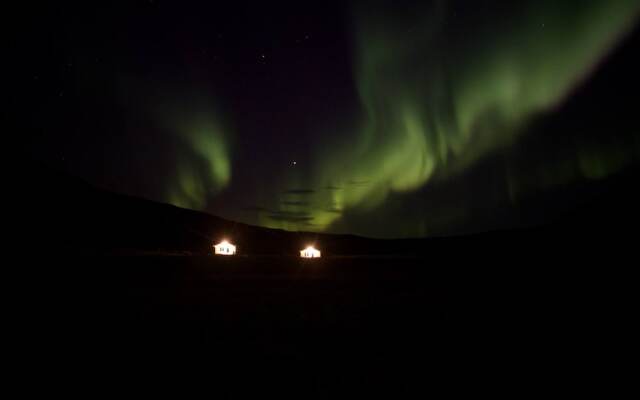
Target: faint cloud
[(285, 218), (296, 203), (291, 216), (359, 183), (299, 191), (256, 209)]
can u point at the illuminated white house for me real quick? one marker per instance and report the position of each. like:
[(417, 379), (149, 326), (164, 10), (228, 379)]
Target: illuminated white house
[(225, 248), (310, 252)]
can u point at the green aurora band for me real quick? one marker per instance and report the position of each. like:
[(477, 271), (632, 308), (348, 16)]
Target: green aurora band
[(185, 116), (193, 185), (203, 164), (437, 97)]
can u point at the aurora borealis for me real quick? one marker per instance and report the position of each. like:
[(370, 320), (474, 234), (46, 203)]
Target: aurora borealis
[(411, 119)]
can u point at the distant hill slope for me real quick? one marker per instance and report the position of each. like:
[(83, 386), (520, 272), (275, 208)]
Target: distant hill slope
[(65, 214), (68, 215)]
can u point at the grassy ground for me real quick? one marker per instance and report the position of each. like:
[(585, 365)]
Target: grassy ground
[(358, 322)]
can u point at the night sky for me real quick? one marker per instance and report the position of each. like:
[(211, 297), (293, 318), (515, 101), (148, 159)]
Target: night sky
[(384, 119)]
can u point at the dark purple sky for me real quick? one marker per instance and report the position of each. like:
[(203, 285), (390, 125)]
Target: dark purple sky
[(383, 119)]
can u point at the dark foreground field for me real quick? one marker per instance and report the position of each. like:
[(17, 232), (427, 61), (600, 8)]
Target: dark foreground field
[(366, 323), (525, 308)]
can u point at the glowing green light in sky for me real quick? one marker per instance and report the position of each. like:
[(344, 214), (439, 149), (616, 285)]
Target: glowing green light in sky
[(204, 167), (436, 100), (195, 182), (439, 92)]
